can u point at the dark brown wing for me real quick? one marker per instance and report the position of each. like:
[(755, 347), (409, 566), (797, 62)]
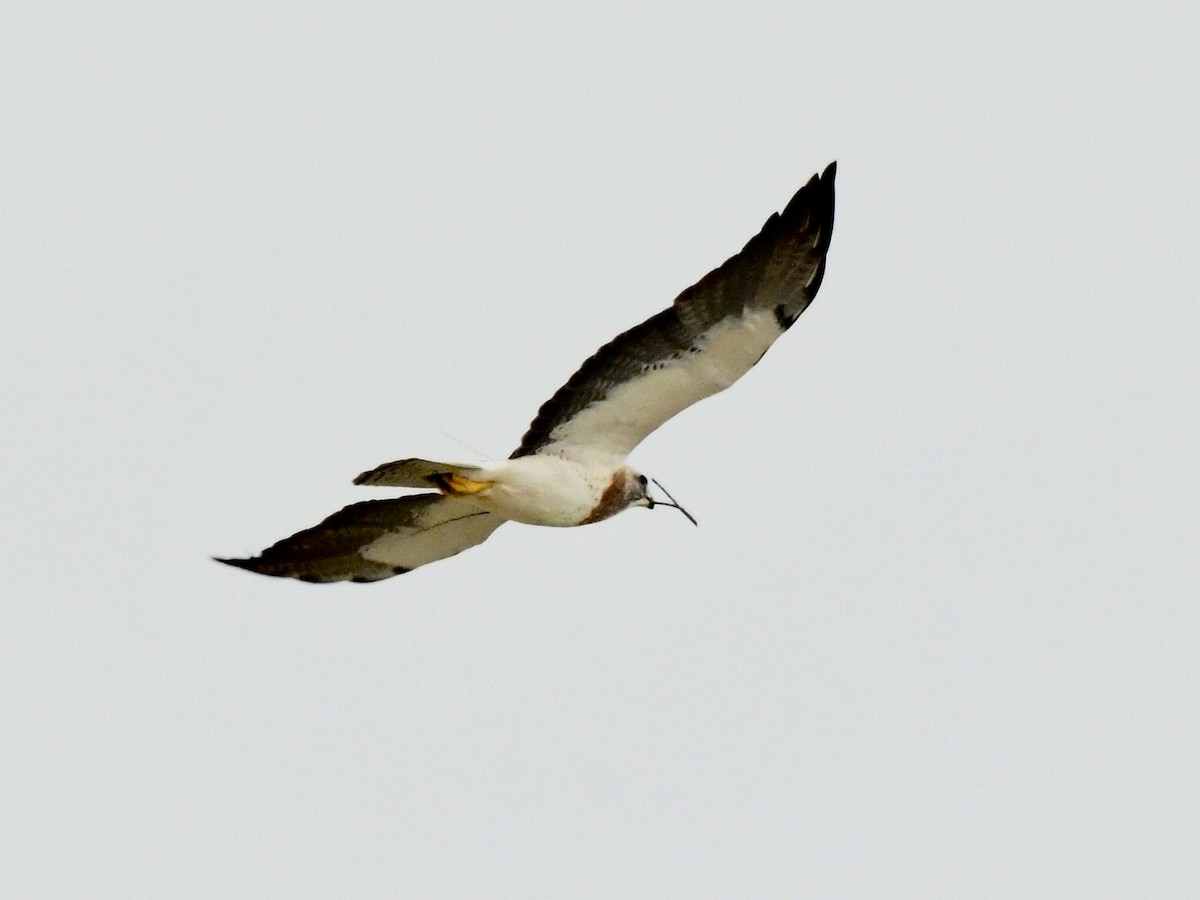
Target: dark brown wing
[(377, 539), (705, 341)]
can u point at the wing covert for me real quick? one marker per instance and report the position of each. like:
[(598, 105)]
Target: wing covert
[(712, 334), (377, 539)]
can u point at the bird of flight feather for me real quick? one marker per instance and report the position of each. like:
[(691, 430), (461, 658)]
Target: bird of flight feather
[(570, 467)]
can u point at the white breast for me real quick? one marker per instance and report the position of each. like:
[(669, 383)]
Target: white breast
[(548, 489)]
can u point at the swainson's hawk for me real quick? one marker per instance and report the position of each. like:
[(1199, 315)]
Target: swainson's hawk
[(570, 467)]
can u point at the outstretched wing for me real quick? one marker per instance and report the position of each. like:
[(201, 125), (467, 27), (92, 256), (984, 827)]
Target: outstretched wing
[(705, 341), (378, 539)]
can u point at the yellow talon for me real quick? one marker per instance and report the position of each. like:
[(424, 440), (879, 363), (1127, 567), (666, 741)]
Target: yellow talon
[(453, 483)]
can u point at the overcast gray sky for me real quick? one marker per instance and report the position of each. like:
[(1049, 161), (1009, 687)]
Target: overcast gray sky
[(937, 633)]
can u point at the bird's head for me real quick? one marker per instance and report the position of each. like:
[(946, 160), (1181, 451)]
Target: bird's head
[(639, 495)]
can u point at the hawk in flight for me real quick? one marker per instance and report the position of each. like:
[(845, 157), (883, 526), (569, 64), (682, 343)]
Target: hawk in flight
[(570, 468)]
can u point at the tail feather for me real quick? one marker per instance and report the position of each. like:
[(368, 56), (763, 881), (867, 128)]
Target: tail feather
[(377, 539), (414, 473)]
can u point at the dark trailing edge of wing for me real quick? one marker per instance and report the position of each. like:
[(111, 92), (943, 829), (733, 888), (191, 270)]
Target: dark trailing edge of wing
[(328, 551), (779, 259)]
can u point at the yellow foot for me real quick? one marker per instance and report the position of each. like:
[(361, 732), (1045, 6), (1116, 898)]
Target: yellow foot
[(452, 483)]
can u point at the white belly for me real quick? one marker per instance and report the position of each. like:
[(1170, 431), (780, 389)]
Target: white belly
[(545, 489)]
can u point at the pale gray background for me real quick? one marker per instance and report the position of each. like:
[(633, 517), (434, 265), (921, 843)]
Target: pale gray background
[(937, 632)]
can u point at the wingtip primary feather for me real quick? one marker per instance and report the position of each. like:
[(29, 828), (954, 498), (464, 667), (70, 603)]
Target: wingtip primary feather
[(330, 571), (375, 539)]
